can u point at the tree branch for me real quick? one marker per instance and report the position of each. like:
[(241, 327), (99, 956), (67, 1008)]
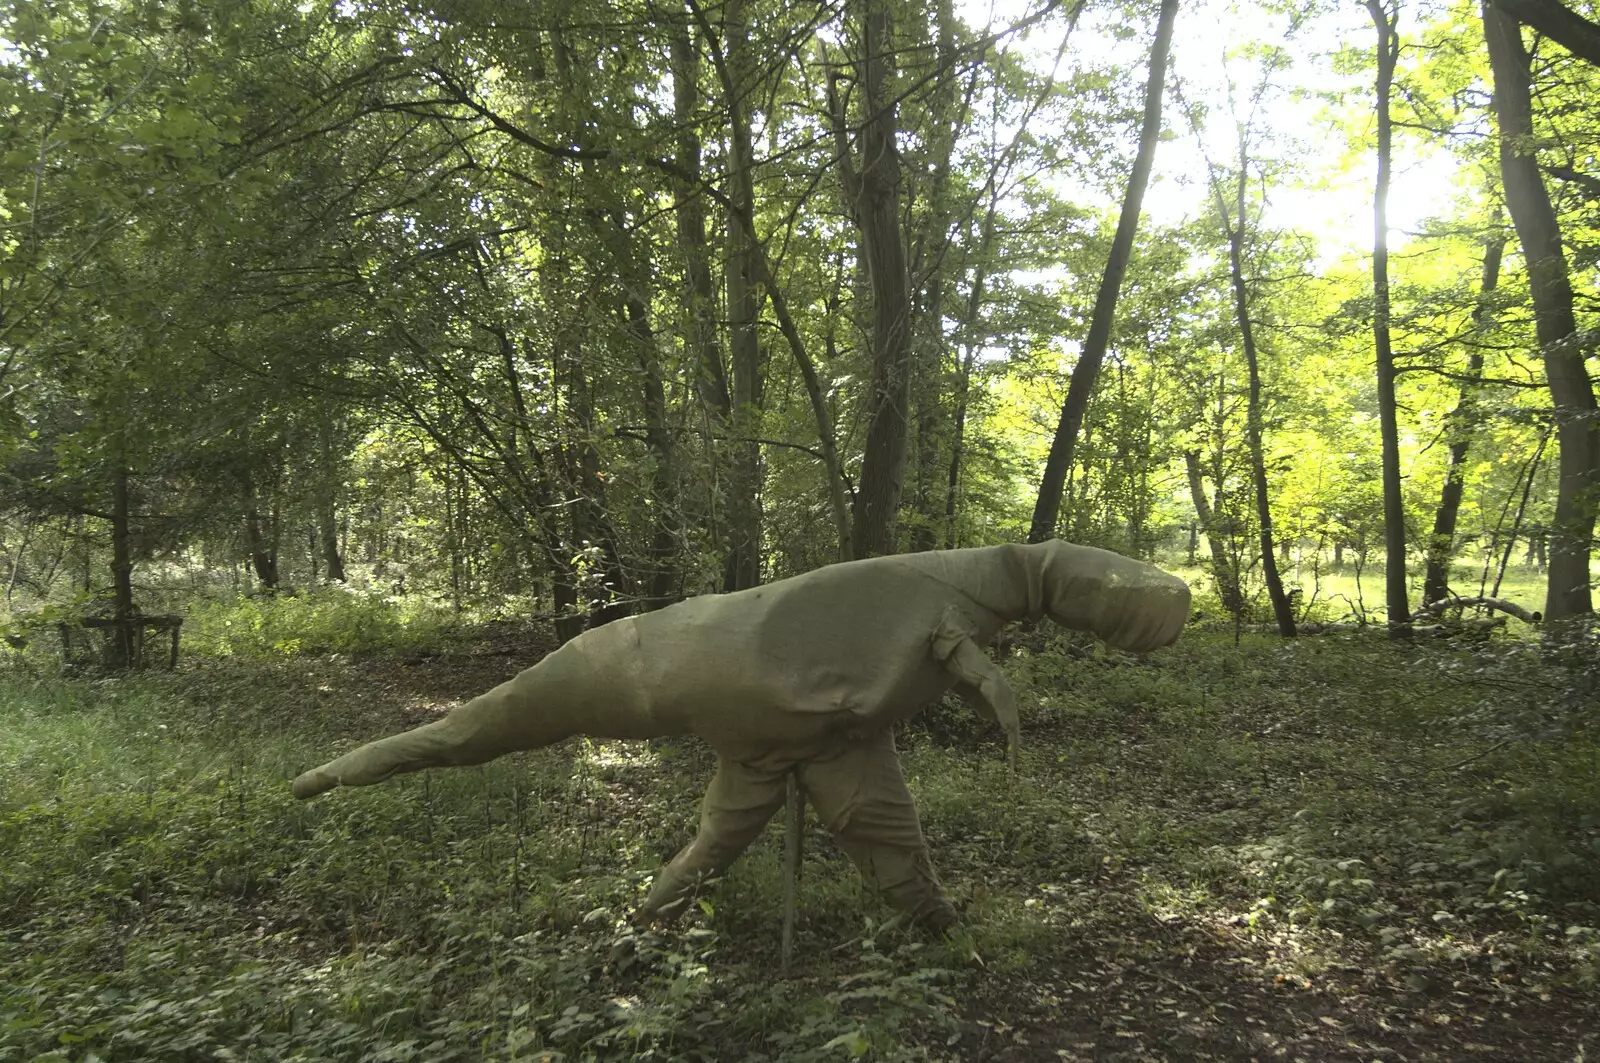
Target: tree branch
[(1561, 24)]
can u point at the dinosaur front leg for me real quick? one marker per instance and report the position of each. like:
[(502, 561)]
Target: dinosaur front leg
[(738, 803), (981, 683), (861, 796)]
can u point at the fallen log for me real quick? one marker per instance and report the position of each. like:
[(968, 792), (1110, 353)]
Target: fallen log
[(1500, 604)]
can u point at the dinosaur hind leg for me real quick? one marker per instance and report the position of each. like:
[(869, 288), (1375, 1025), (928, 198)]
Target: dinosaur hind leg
[(738, 804), (861, 796)]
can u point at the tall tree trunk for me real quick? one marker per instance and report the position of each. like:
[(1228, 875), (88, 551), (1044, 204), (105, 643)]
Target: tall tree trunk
[(1222, 571), (874, 191), (661, 585), (330, 460), (1047, 508), (123, 651), (1577, 424), (699, 295), (591, 541), (928, 267), (1394, 512), (734, 71), (535, 512), (744, 510), (701, 344), (328, 534), (1282, 610), (1462, 422), (452, 530), (572, 610), (1522, 509), (970, 343), (958, 442), (263, 557), (592, 532), (827, 448)]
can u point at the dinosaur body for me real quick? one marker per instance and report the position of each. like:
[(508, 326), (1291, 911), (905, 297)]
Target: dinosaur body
[(808, 672)]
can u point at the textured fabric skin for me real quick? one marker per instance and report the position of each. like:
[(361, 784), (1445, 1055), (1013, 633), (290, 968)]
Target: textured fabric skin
[(809, 671)]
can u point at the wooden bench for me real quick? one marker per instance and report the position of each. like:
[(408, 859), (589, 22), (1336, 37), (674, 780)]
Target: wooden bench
[(86, 652)]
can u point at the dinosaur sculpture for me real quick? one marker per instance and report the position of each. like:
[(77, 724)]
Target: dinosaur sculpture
[(806, 674)]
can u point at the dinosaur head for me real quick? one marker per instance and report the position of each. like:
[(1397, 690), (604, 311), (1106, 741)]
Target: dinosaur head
[(1132, 605)]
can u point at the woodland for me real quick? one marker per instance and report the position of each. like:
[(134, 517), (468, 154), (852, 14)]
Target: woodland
[(356, 354)]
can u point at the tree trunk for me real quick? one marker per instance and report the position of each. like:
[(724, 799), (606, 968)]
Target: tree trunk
[(452, 531), (1222, 572), (330, 459), (1577, 425), (1522, 509), (874, 192), (929, 267), (744, 509), (1282, 610), (1463, 422), (734, 71), (701, 342), (833, 471), (661, 587), (1560, 23), (958, 442), (328, 533), (710, 374), (263, 557), (592, 534), (1394, 513), (1047, 508), (123, 650), (970, 345)]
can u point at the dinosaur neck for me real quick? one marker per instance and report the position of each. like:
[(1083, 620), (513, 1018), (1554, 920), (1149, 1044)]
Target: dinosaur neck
[(1002, 579)]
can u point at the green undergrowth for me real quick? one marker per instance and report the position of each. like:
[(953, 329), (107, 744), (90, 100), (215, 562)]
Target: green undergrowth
[(1415, 810), (331, 618), (1354, 594)]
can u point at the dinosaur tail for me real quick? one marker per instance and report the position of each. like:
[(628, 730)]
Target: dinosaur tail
[(511, 717)]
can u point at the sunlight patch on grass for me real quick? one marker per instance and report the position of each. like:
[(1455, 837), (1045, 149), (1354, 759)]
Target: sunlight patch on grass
[(618, 755)]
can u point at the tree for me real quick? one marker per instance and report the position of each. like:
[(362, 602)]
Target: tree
[(873, 189), (1394, 513), (1047, 507), (1462, 425), (1233, 229), (1555, 325)]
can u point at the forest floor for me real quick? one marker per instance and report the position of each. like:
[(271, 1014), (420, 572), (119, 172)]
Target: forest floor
[(1336, 849)]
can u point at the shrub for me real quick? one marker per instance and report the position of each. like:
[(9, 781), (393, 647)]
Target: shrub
[(329, 619)]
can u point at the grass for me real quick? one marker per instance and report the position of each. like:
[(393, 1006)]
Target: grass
[(1351, 592), (1367, 833)]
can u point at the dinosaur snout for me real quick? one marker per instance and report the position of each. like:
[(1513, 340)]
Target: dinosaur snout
[(1150, 616)]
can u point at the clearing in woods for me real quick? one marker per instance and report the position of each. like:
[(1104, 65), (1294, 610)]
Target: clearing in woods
[(1329, 849)]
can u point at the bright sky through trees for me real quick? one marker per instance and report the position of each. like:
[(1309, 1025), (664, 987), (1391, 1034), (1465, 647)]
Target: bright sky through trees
[(1330, 194)]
